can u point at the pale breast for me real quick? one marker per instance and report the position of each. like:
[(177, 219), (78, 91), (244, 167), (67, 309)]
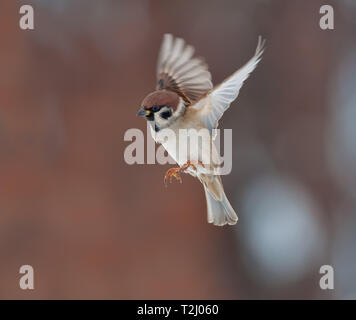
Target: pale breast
[(188, 139)]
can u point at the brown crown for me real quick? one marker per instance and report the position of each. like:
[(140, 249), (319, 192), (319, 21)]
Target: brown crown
[(160, 98)]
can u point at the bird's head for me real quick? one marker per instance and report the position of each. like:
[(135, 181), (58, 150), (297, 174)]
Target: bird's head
[(160, 106)]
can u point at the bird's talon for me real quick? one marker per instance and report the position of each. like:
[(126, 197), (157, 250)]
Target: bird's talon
[(173, 172), (192, 164)]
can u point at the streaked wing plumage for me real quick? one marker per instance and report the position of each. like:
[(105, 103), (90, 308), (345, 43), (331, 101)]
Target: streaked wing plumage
[(177, 70)]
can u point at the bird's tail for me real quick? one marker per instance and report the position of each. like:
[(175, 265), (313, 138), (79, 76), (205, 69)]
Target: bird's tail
[(220, 212)]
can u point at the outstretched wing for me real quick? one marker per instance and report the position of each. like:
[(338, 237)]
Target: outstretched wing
[(178, 71), (217, 101)]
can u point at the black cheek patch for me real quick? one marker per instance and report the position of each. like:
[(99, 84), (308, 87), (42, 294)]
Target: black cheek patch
[(166, 114)]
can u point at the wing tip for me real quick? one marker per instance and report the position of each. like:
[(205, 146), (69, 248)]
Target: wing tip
[(261, 46)]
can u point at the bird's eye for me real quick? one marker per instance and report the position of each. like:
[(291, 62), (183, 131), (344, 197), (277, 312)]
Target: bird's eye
[(156, 108)]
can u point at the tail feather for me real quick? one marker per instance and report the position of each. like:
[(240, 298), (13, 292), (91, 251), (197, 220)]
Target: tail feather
[(220, 212)]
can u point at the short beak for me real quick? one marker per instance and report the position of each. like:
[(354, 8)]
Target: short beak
[(142, 112)]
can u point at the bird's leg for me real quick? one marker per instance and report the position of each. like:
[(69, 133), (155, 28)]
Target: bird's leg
[(173, 172), (191, 163)]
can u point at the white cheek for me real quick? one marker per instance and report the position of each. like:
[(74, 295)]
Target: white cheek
[(158, 119)]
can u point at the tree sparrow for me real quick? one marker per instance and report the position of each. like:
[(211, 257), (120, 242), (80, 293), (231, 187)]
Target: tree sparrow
[(185, 99)]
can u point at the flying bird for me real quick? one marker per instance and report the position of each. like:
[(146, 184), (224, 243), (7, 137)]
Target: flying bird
[(186, 99)]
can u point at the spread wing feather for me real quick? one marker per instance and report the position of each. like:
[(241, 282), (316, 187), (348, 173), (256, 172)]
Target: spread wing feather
[(218, 100), (177, 70)]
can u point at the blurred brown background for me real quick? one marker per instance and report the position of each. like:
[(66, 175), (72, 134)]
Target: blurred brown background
[(94, 227)]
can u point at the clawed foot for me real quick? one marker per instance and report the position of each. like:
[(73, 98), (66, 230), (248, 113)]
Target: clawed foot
[(192, 164), (175, 172)]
